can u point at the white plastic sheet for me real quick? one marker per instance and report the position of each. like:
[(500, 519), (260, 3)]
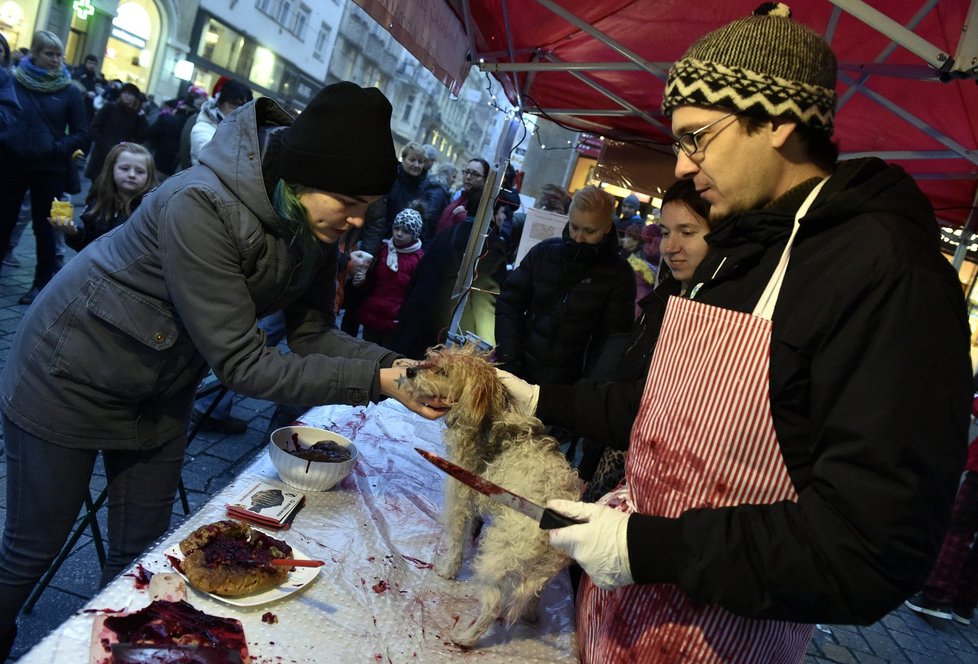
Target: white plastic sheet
[(377, 598)]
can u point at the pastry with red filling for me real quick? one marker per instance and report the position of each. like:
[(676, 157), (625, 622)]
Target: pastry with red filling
[(231, 559)]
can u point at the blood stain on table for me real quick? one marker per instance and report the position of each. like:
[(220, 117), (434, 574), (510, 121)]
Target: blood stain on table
[(141, 577), (420, 564)]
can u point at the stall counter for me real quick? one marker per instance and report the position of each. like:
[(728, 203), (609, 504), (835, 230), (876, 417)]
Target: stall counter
[(376, 599)]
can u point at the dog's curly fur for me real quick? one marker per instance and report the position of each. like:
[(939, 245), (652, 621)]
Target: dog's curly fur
[(485, 435)]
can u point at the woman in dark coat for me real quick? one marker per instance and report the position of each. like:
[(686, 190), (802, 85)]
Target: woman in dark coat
[(566, 298), (119, 121), (35, 151)]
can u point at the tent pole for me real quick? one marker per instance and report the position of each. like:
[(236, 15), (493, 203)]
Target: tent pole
[(967, 234), (480, 229), (584, 27), (969, 155), (966, 57), (882, 23)]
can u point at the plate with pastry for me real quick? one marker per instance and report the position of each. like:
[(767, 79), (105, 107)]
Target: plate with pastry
[(235, 563)]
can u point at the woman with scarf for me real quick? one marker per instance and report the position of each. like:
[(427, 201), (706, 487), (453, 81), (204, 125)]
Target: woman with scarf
[(36, 149)]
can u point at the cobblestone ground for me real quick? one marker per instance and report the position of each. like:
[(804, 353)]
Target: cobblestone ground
[(213, 459)]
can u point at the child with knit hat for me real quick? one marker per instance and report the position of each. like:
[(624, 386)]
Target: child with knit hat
[(387, 281)]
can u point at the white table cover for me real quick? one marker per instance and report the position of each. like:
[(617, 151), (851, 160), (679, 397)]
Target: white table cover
[(376, 599)]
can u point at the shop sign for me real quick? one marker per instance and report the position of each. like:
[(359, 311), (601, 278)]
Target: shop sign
[(83, 8), (128, 37)]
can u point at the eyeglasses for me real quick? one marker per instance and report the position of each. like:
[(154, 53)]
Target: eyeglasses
[(472, 174), (688, 144)]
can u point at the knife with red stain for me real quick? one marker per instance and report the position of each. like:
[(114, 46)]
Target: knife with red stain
[(544, 516)]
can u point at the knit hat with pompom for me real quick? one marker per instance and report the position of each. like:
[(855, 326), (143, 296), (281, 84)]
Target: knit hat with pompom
[(764, 65)]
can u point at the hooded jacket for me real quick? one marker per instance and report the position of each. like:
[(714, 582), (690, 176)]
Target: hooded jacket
[(110, 354), (870, 385), (560, 305), (204, 127)]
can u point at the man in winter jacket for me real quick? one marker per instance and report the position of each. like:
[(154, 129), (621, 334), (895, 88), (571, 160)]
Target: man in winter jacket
[(798, 443)]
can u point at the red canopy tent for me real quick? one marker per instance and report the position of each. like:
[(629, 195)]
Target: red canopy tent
[(907, 69)]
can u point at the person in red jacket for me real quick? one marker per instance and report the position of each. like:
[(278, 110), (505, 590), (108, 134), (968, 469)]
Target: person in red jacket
[(387, 282), (951, 591)]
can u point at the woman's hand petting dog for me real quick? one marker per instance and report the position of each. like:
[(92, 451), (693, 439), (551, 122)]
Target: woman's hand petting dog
[(392, 385)]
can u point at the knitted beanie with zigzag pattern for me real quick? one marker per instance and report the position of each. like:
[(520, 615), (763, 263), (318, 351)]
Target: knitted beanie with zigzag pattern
[(764, 65)]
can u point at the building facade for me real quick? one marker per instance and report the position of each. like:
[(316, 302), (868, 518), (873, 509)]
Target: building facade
[(285, 49), (279, 48), (424, 110)]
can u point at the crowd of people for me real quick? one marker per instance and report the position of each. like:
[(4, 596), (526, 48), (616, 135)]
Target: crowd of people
[(741, 371)]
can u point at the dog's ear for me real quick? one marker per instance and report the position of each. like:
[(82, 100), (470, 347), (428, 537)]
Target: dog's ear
[(483, 394)]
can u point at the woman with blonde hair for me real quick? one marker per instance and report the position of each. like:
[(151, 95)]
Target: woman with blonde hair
[(567, 297), (36, 149)]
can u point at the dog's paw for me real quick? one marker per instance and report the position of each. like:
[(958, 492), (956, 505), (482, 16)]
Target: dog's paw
[(466, 638), (447, 567)]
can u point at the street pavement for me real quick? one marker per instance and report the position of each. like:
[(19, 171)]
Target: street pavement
[(214, 459)]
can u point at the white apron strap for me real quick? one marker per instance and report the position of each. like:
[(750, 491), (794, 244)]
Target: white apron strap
[(769, 298)]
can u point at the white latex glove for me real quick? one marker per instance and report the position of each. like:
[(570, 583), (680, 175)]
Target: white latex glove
[(600, 546), (524, 394)]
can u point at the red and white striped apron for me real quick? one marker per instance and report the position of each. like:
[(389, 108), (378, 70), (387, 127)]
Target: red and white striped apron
[(703, 437)]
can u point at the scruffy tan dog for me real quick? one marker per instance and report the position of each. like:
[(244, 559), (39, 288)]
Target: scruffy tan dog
[(514, 560)]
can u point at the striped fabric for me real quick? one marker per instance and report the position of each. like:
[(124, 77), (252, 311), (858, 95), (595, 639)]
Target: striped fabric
[(703, 437)]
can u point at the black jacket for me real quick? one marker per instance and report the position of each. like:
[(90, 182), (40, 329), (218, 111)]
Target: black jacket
[(560, 305), (49, 128), (163, 137), (93, 227), (113, 124), (870, 392), (436, 198)]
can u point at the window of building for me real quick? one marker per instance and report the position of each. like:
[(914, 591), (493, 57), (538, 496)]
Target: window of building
[(265, 6), (301, 21), (319, 50), (284, 12), (409, 107)]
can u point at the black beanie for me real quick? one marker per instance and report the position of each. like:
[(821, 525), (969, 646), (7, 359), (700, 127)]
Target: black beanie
[(342, 142)]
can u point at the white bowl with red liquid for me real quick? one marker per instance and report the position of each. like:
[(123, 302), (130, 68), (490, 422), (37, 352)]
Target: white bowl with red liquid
[(305, 474)]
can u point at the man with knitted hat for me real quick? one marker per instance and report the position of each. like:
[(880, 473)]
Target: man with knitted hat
[(109, 356), (796, 450), (629, 213)]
